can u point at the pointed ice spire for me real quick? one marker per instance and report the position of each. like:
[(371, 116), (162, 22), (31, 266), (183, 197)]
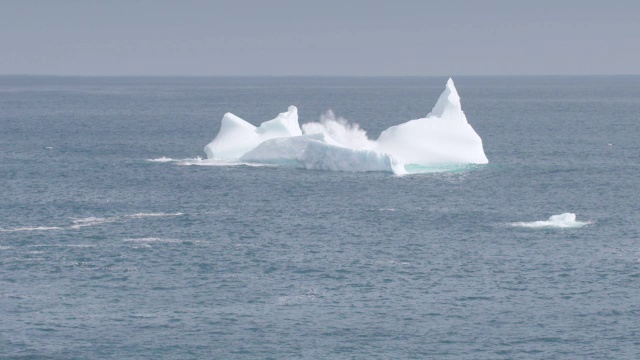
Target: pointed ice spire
[(285, 123), (448, 105)]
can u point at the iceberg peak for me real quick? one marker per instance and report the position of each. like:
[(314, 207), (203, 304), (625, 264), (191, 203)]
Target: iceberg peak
[(285, 124), (448, 105)]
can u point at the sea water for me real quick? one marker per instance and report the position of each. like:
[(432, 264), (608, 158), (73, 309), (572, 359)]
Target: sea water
[(107, 255)]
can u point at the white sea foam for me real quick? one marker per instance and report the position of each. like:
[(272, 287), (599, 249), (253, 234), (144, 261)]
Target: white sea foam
[(34, 259), (566, 220), (143, 215), (154, 240), (198, 161), (31, 228), (391, 262), (189, 161), (162, 159), (145, 242), (64, 245), (90, 221), (78, 223), (209, 162)]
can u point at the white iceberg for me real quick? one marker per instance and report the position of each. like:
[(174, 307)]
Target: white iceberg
[(566, 220), (443, 138), (237, 137)]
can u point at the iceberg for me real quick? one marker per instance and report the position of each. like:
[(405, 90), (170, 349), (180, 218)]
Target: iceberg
[(442, 139)]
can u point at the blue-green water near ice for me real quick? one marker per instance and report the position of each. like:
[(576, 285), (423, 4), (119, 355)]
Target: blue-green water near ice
[(105, 255)]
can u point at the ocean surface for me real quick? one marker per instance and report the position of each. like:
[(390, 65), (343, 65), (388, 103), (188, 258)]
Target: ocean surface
[(105, 254)]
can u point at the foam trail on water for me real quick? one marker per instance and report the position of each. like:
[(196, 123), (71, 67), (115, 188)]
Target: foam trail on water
[(143, 215), (198, 161), (31, 228), (78, 223), (154, 239), (162, 159), (63, 245), (90, 221), (146, 242), (566, 220)]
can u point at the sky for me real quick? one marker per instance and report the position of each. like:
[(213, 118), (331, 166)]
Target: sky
[(321, 37)]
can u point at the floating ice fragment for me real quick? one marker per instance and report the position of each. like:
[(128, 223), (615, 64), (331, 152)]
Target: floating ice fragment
[(566, 220), (441, 139)]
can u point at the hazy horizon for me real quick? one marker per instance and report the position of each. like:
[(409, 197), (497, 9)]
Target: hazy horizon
[(312, 76), (287, 38)]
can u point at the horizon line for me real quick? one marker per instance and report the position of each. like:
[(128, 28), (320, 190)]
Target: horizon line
[(317, 76)]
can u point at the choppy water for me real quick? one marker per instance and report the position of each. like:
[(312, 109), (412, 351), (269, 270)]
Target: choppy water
[(104, 254)]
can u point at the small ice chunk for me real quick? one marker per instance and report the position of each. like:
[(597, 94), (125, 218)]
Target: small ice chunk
[(566, 220)]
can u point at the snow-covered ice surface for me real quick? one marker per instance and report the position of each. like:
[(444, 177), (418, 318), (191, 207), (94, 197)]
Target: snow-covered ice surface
[(442, 141), (566, 220)]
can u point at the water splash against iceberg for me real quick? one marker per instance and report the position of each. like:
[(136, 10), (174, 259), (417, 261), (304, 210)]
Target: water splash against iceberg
[(339, 129), (439, 141)]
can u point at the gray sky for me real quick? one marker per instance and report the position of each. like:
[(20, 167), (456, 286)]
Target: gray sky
[(321, 37)]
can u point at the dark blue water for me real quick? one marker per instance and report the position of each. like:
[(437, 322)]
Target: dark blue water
[(104, 254)]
